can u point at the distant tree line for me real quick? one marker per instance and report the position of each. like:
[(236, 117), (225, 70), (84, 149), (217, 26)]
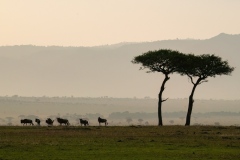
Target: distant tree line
[(128, 117), (144, 115)]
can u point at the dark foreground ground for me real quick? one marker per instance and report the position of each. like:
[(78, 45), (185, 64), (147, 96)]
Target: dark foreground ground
[(131, 142)]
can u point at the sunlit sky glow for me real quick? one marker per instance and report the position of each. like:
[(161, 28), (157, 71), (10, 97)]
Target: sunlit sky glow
[(100, 22)]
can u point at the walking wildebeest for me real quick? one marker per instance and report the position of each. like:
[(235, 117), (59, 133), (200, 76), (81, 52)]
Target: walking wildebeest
[(38, 121), (100, 120), (26, 121), (84, 122), (49, 121), (64, 121)]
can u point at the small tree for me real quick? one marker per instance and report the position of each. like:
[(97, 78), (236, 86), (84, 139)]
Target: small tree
[(140, 120), (163, 61), (201, 67), (9, 119), (129, 120), (171, 121)]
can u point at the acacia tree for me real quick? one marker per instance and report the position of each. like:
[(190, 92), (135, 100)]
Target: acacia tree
[(129, 120), (163, 61), (198, 69)]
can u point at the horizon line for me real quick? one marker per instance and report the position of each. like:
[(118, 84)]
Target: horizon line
[(115, 44)]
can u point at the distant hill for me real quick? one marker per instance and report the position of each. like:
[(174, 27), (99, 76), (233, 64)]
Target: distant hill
[(108, 71)]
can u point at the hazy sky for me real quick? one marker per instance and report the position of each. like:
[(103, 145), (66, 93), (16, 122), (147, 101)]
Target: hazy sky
[(99, 22)]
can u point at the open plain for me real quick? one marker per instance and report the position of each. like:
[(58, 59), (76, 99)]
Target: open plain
[(115, 142)]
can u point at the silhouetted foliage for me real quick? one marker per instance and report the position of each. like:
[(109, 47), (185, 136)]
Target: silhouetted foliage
[(163, 61), (201, 67)]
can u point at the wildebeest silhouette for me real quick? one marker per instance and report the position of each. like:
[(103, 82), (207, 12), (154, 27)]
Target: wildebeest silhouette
[(100, 120), (63, 121), (26, 121), (49, 121), (38, 121), (84, 122)]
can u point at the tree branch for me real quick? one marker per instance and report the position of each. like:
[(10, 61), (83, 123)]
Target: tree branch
[(191, 79), (203, 81), (164, 100)]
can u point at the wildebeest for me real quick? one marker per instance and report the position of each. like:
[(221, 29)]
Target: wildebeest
[(100, 120), (84, 122), (49, 121), (38, 121), (26, 121), (64, 121)]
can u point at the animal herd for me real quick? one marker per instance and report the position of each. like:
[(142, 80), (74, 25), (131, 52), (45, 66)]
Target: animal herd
[(61, 121)]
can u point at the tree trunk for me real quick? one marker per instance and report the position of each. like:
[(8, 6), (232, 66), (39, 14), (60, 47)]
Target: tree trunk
[(160, 100), (190, 103)]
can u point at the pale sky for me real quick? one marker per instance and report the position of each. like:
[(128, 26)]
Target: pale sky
[(100, 22)]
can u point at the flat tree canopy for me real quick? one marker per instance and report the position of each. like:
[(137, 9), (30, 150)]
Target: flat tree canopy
[(163, 60), (204, 66)]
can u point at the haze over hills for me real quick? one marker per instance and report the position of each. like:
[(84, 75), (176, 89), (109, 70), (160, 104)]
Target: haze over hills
[(108, 71), (206, 112)]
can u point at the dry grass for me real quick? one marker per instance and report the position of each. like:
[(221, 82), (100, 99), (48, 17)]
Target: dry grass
[(131, 142)]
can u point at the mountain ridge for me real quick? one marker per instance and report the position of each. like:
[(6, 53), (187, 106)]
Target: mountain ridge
[(219, 36)]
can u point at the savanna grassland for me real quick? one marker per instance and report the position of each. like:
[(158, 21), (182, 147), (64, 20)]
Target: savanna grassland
[(115, 142)]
